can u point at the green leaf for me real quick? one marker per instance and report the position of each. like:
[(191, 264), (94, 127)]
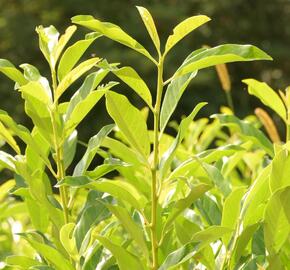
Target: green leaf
[(242, 242), (93, 146), (74, 74), (68, 240), (183, 29), (72, 55), (231, 210), (110, 165), (150, 26), (125, 259), (172, 96), (8, 69), (129, 76), (7, 136), (280, 171), (256, 197), (221, 54), (93, 212), (183, 127), (23, 133), (130, 121), (195, 193), (199, 241), (7, 161), (48, 40), (69, 149), (267, 95), (50, 254), (277, 222), (247, 130), (21, 261), (82, 109), (111, 31), (130, 226), (117, 188), (209, 209), (63, 40)]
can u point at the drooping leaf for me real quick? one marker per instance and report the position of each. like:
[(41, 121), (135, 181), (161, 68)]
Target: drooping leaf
[(111, 31), (130, 121), (8, 69), (49, 253), (183, 29), (267, 95), (150, 26), (117, 188), (4, 132), (221, 54), (129, 76)]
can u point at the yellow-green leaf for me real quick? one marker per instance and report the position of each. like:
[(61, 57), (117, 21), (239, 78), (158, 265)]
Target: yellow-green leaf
[(150, 26), (183, 29)]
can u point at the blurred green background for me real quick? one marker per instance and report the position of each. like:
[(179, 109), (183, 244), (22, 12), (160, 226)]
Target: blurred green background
[(264, 23)]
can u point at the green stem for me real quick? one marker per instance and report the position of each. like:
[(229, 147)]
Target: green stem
[(59, 153), (154, 187)]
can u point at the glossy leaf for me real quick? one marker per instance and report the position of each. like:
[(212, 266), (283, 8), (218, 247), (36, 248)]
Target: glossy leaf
[(150, 26), (172, 96), (63, 40), (129, 76), (74, 74), (130, 121), (221, 54), (111, 31), (267, 95), (8, 69), (72, 55), (183, 29)]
